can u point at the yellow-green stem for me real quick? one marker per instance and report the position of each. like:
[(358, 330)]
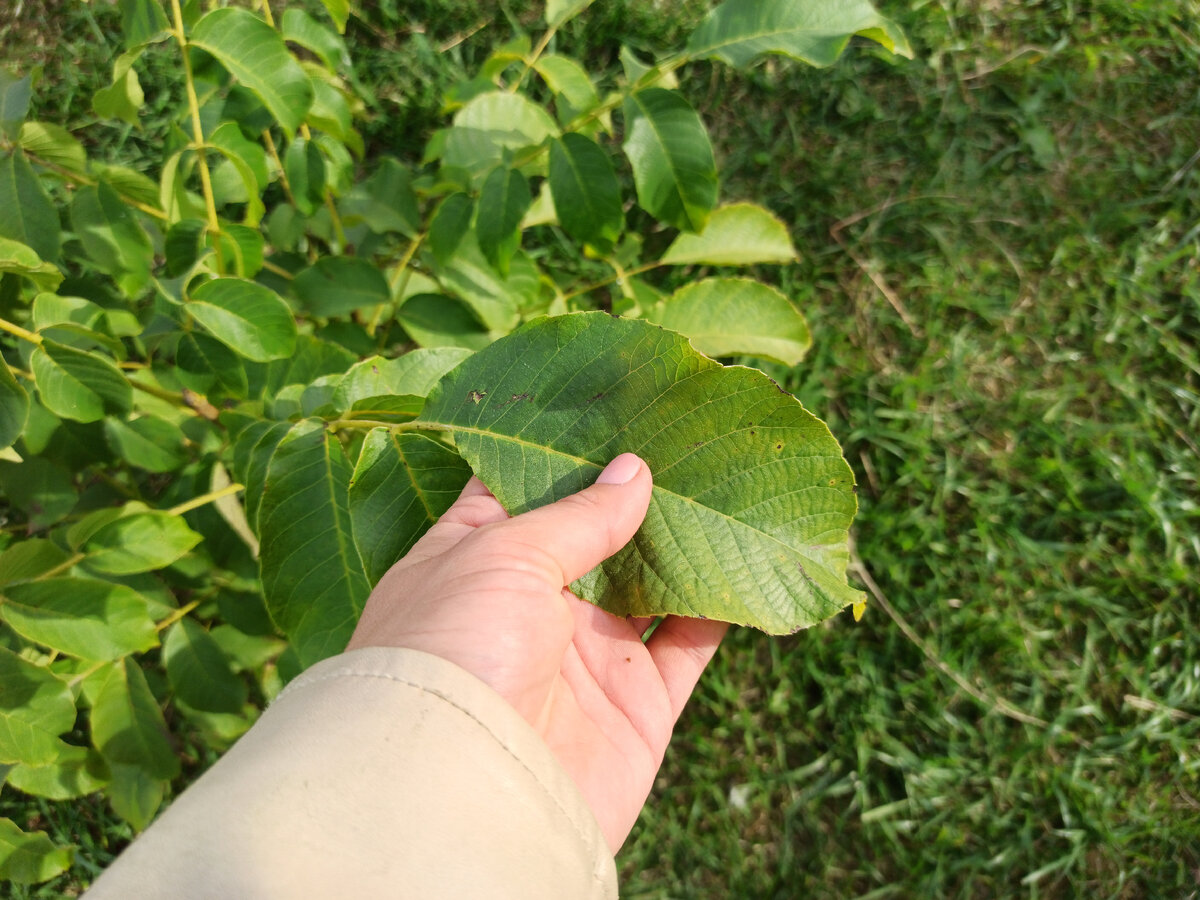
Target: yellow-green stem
[(15, 329), (532, 59), (210, 202), (176, 616), (203, 499), (64, 566)]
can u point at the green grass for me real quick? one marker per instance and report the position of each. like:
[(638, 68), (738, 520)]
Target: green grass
[(1000, 243), (1024, 440)]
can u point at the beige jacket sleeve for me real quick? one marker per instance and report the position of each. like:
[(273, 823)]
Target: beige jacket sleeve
[(377, 773)]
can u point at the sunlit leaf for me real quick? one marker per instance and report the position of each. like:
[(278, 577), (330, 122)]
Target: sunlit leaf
[(127, 724), (81, 617), (256, 56), (736, 317), (30, 857), (813, 31), (35, 708), (740, 234), (247, 317)]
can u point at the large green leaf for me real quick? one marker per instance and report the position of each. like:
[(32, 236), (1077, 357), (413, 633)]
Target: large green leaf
[(199, 671), (127, 725), (82, 617), (247, 317), (29, 857), (14, 407), (813, 31), (35, 708), (135, 794), (113, 238), (340, 285), (752, 500), (735, 317), (450, 222), (29, 215), (140, 542), (672, 158), (740, 234), (401, 486), (503, 201), (256, 56), (492, 125), (312, 577), (78, 385), (587, 196)]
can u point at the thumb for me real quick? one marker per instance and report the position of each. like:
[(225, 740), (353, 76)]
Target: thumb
[(581, 531)]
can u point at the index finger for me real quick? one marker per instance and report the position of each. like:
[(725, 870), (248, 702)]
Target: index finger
[(681, 647)]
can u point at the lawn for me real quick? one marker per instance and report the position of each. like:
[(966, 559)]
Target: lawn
[(999, 244)]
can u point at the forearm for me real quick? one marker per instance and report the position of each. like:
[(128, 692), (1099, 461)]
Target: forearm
[(380, 772)]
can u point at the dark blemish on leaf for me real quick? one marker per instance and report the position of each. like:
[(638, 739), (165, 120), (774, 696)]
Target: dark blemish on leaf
[(854, 488), (476, 396), (697, 444), (516, 398), (753, 433), (701, 616), (595, 398), (374, 370), (779, 446)]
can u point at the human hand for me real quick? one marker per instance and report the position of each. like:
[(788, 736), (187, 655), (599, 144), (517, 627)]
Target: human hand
[(486, 592)]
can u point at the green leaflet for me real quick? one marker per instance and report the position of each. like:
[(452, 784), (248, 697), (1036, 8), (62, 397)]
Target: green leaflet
[(199, 671), (139, 542), (403, 483), (114, 240), (752, 499), (256, 56), (813, 31), (311, 573), (248, 318), (503, 201), (736, 317), (672, 158), (587, 196), (81, 617), (29, 857), (77, 385), (127, 725), (338, 285), (739, 234), (29, 216), (14, 407), (35, 708), (491, 125)]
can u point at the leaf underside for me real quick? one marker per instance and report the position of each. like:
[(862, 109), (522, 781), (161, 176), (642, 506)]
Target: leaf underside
[(752, 500)]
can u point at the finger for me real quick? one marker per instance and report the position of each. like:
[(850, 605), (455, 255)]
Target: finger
[(475, 507), (681, 648), (582, 530), (641, 624)]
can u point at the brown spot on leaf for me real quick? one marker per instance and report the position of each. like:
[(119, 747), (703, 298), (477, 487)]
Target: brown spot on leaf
[(476, 396)]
